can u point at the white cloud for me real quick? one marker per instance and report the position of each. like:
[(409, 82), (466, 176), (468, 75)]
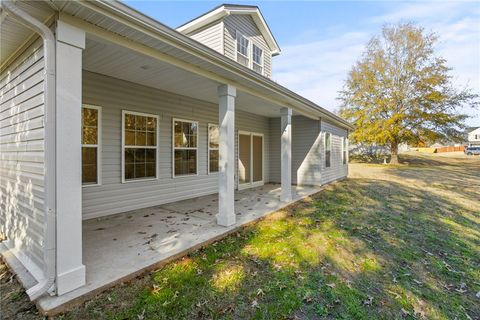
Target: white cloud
[(317, 69)]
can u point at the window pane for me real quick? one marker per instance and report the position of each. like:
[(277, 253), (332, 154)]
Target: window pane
[(140, 170), (129, 138), (185, 162), (129, 171), (257, 68), (129, 121), (244, 152), (140, 138), (213, 136), (140, 163), (150, 155), (257, 149), (140, 123), (213, 161), (90, 117), (185, 134), (89, 135), (242, 60), (140, 155), (151, 139), (151, 124), (129, 155), (89, 165), (257, 55), (150, 169)]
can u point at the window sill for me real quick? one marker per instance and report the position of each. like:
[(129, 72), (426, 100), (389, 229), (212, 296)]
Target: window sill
[(91, 185), (184, 175), (139, 180)]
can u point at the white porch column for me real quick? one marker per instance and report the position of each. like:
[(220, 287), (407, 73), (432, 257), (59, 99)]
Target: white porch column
[(70, 269), (226, 162), (286, 154)]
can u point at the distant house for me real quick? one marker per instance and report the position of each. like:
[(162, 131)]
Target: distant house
[(104, 110), (474, 137)]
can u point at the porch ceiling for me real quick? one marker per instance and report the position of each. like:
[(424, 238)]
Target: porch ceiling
[(119, 62)]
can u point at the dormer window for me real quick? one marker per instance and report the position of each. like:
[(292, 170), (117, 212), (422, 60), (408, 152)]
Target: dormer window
[(257, 59), (242, 49)]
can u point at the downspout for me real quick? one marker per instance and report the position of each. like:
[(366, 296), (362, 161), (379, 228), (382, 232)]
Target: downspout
[(49, 146)]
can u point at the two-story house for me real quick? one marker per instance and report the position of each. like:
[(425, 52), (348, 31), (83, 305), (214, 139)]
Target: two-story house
[(115, 127), (474, 137)]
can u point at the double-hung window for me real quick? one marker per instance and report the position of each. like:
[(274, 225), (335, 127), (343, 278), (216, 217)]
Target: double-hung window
[(344, 150), (140, 146), (257, 58), (91, 141), (213, 142), (185, 147), (328, 149), (242, 49)]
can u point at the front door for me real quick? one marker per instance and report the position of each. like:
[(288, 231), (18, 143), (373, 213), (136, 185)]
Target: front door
[(250, 159)]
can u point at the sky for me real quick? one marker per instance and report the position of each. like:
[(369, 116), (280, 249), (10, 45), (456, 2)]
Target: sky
[(321, 40)]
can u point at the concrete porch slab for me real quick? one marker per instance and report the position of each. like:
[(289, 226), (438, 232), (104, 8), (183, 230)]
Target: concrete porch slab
[(119, 247)]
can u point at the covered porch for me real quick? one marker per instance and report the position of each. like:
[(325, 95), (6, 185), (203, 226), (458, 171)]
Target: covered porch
[(119, 247)]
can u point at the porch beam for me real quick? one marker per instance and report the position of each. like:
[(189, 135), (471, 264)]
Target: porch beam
[(110, 37), (286, 154), (70, 269), (226, 162)]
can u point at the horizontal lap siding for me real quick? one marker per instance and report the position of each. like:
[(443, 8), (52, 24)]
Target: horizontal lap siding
[(115, 95), (337, 169), (308, 159), (306, 146), (305, 151), (22, 157), (248, 28), (210, 36)]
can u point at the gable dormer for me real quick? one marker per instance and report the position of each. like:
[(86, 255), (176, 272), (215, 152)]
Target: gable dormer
[(238, 32)]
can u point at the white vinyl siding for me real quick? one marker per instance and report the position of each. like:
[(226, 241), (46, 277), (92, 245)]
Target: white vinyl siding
[(245, 25), (22, 167), (308, 161), (116, 95), (210, 35), (337, 169)]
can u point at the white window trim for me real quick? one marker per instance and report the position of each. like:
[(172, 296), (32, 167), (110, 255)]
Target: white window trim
[(237, 35), (98, 145), (124, 112), (325, 150), (251, 184), (183, 148), (209, 148), (262, 59)]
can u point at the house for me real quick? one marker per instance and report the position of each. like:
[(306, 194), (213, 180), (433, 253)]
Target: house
[(104, 110), (474, 137)]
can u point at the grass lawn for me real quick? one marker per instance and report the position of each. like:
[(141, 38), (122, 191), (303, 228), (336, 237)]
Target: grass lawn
[(387, 243)]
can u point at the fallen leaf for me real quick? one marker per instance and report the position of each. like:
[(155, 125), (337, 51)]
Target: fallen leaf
[(260, 292), (142, 315), (331, 285), (368, 301), (254, 304)]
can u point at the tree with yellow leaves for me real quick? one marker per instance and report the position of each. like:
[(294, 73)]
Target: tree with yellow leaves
[(400, 91)]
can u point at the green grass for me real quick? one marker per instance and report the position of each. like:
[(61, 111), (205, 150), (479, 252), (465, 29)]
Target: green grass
[(391, 247)]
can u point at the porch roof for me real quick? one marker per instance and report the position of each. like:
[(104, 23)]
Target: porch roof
[(118, 22)]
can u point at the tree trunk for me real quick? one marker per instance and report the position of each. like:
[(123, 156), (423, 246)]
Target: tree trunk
[(394, 153)]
